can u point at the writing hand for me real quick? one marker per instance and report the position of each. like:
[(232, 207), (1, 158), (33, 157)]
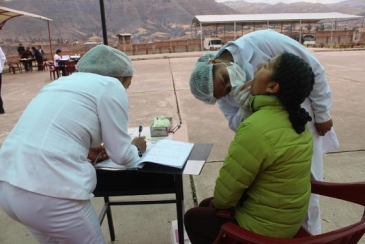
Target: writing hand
[(140, 142), (323, 128)]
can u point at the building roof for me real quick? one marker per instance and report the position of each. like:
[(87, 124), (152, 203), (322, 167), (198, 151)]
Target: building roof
[(8, 13), (265, 18)]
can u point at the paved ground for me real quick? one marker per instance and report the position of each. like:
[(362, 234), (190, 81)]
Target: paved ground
[(160, 87)]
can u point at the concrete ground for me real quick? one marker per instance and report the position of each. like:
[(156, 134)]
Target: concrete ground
[(160, 87)]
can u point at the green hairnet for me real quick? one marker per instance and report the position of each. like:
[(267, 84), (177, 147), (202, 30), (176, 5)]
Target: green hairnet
[(201, 79), (107, 61)]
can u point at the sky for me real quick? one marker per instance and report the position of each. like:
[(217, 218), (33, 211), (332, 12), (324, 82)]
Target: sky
[(287, 1)]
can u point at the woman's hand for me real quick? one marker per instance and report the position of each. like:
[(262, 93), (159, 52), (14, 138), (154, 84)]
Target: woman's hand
[(323, 128), (140, 142), (97, 153)]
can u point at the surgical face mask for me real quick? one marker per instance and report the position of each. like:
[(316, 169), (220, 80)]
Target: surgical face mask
[(237, 75)]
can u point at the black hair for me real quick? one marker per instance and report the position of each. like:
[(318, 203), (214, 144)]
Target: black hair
[(58, 51), (296, 80)]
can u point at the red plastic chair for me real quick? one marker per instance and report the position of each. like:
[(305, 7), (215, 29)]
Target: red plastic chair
[(53, 71), (351, 192), (13, 67)]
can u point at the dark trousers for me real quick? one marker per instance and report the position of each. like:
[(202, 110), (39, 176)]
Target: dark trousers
[(202, 223), (1, 101), (40, 64)]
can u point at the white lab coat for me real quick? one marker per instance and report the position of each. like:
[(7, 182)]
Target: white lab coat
[(46, 152), (260, 46)]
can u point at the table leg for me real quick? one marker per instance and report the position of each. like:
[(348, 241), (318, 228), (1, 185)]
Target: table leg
[(110, 219), (180, 206)]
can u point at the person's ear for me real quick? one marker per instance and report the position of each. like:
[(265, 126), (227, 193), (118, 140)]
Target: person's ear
[(214, 61), (273, 87)]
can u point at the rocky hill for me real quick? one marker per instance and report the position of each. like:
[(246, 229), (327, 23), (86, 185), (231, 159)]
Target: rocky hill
[(159, 19), (356, 7), (80, 19)]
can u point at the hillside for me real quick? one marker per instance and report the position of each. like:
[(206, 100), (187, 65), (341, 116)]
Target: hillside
[(147, 20), (346, 7), (80, 19)]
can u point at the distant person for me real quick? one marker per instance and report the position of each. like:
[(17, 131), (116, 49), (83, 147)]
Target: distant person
[(234, 64), (2, 62), (40, 50), (46, 180), (27, 54), (57, 57), (39, 58), (265, 177), (20, 49)]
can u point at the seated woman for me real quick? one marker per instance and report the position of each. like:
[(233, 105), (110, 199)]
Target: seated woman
[(265, 177)]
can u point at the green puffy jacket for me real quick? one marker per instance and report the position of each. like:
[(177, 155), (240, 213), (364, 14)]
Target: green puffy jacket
[(270, 164)]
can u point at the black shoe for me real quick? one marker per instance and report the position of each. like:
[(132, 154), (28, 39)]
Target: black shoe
[(2, 111)]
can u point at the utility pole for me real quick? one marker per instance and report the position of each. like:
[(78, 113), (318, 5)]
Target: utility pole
[(103, 23)]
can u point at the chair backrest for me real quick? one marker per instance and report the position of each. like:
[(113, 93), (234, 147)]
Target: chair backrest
[(351, 192), (51, 66)]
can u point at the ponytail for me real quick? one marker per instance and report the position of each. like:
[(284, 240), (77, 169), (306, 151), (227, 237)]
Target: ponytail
[(296, 80)]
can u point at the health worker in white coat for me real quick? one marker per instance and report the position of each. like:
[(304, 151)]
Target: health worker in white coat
[(46, 179), (220, 78)]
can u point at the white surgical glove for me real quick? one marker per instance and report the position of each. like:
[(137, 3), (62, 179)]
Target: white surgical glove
[(242, 97)]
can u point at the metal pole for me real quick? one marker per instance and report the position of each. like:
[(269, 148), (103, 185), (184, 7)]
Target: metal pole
[(50, 41), (300, 31), (103, 23), (234, 31), (331, 30), (201, 37)]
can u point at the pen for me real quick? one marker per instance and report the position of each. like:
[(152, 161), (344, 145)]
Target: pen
[(175, 128), (140, 130)]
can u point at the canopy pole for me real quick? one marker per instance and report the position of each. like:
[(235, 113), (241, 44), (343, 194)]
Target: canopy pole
[(201, 37), (50, 40), (103, 24), (234, 31), (300, 31), (331, 29)]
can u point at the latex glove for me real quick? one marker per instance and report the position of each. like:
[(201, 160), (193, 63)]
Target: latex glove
[(241, 94), (242, 97)]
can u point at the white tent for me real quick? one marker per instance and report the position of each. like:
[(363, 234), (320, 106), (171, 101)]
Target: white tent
[(8, 13)]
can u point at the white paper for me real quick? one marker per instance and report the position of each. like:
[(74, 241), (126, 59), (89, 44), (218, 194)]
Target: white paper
[(193, 167), (170, 153)]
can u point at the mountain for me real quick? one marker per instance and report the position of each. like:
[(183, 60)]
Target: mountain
[(145, 19), (356, 7), (81, 19)]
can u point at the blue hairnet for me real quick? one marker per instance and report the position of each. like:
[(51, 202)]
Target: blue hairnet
[(201, 79), (107, 61)]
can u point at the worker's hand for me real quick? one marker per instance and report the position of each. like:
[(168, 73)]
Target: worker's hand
[(242, 97), (140, 142), (323, 128), (94, 152), (241, 94)]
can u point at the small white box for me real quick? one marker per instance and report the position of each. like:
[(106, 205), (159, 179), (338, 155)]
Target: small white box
[(175, 234)]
